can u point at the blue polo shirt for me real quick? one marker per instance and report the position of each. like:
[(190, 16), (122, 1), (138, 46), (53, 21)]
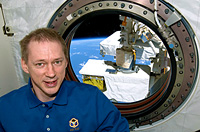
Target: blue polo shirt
[(77, 107)]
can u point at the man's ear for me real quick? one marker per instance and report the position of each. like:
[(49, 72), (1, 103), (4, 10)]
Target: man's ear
[(67, 61), (24, 66)]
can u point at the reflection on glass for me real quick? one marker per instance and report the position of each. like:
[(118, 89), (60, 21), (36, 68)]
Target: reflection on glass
[(129, 65)]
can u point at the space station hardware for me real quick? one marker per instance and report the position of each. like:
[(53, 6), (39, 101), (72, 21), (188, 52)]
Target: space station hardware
[(138, 47), (156, 38), (140, 55), (97, 81), (6, 29), (116, 86), (129, 57)]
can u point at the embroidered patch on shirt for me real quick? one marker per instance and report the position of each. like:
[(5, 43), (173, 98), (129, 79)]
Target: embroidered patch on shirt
[(73, 123)]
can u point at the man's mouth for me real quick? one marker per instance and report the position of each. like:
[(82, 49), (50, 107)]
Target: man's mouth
[(50, 83)]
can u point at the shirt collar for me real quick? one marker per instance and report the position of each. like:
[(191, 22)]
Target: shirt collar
[(61, 98), (32, 99)]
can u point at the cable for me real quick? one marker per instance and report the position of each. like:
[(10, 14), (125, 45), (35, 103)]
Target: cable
[(156, 13)]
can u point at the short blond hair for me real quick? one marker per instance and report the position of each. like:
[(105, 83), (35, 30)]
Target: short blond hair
[(39, 35)]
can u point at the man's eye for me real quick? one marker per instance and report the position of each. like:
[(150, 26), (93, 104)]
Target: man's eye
[(39, 64), (57, 62)]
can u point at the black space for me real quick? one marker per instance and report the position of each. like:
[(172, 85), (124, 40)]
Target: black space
[(99, 26)]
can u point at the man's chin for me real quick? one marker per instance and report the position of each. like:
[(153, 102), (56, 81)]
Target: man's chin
[(52, 92)]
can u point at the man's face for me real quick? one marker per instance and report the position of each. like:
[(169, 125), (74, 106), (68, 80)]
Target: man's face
[(46, 66)]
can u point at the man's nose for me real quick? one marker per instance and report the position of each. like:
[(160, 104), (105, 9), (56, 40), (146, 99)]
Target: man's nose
[(50, 72)]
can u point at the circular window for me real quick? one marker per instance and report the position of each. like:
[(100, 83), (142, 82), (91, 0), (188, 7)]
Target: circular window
[(147, 68)]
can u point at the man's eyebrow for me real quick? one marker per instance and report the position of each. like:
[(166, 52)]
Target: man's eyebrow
[(39, 60), (61, 58)]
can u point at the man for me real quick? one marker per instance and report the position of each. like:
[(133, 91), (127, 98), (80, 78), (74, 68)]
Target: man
[(50, 103)]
